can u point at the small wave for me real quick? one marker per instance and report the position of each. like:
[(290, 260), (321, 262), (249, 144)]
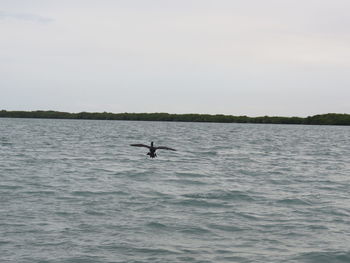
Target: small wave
[(280, 181), (10, 187), (189, 174), (187, 182), (222, 195), (49, 244), (155, 251), (227, 228), (231, 259), (6, 143), (335, 211), (156, 225), (317, 227), (324, 257), (64, 214), (195, 230), (43, 192), (199, 203), (250, 216), (94, 213), (12, 225), (91, 193), (294, 201), (130, 248), (210, 153), (134, 174), (4, 242), (80, 259)]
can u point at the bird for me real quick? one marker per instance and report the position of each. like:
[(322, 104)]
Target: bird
[(152, 149)]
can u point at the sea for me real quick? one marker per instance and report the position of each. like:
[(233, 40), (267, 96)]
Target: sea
[(76, 191)]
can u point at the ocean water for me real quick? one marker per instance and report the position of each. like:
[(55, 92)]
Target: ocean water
[(75, 191)]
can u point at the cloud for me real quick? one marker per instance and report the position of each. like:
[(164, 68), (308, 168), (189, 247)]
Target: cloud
[(239, 57), (25, 17)]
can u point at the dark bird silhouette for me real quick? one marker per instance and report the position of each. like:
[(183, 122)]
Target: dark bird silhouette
[(152, 149)]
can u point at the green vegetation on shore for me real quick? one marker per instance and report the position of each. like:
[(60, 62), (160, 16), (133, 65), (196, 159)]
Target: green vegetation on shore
[(323, 119)]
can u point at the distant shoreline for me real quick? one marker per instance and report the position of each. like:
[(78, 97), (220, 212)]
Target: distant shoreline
[(322, 119)]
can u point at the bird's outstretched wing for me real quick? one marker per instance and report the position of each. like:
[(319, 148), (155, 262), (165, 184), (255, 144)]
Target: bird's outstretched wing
[(165, 148), (140, 145)]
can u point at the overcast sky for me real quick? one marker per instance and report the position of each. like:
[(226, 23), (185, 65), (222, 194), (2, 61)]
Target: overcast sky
[(237, 57)]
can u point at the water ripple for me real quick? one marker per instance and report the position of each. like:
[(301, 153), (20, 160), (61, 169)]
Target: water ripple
[(74, 191)]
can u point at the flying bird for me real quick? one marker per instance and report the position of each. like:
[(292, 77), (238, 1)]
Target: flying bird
[(152, 149)]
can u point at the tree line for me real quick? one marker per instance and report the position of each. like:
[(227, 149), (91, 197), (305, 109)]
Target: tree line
[(322, 119)]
